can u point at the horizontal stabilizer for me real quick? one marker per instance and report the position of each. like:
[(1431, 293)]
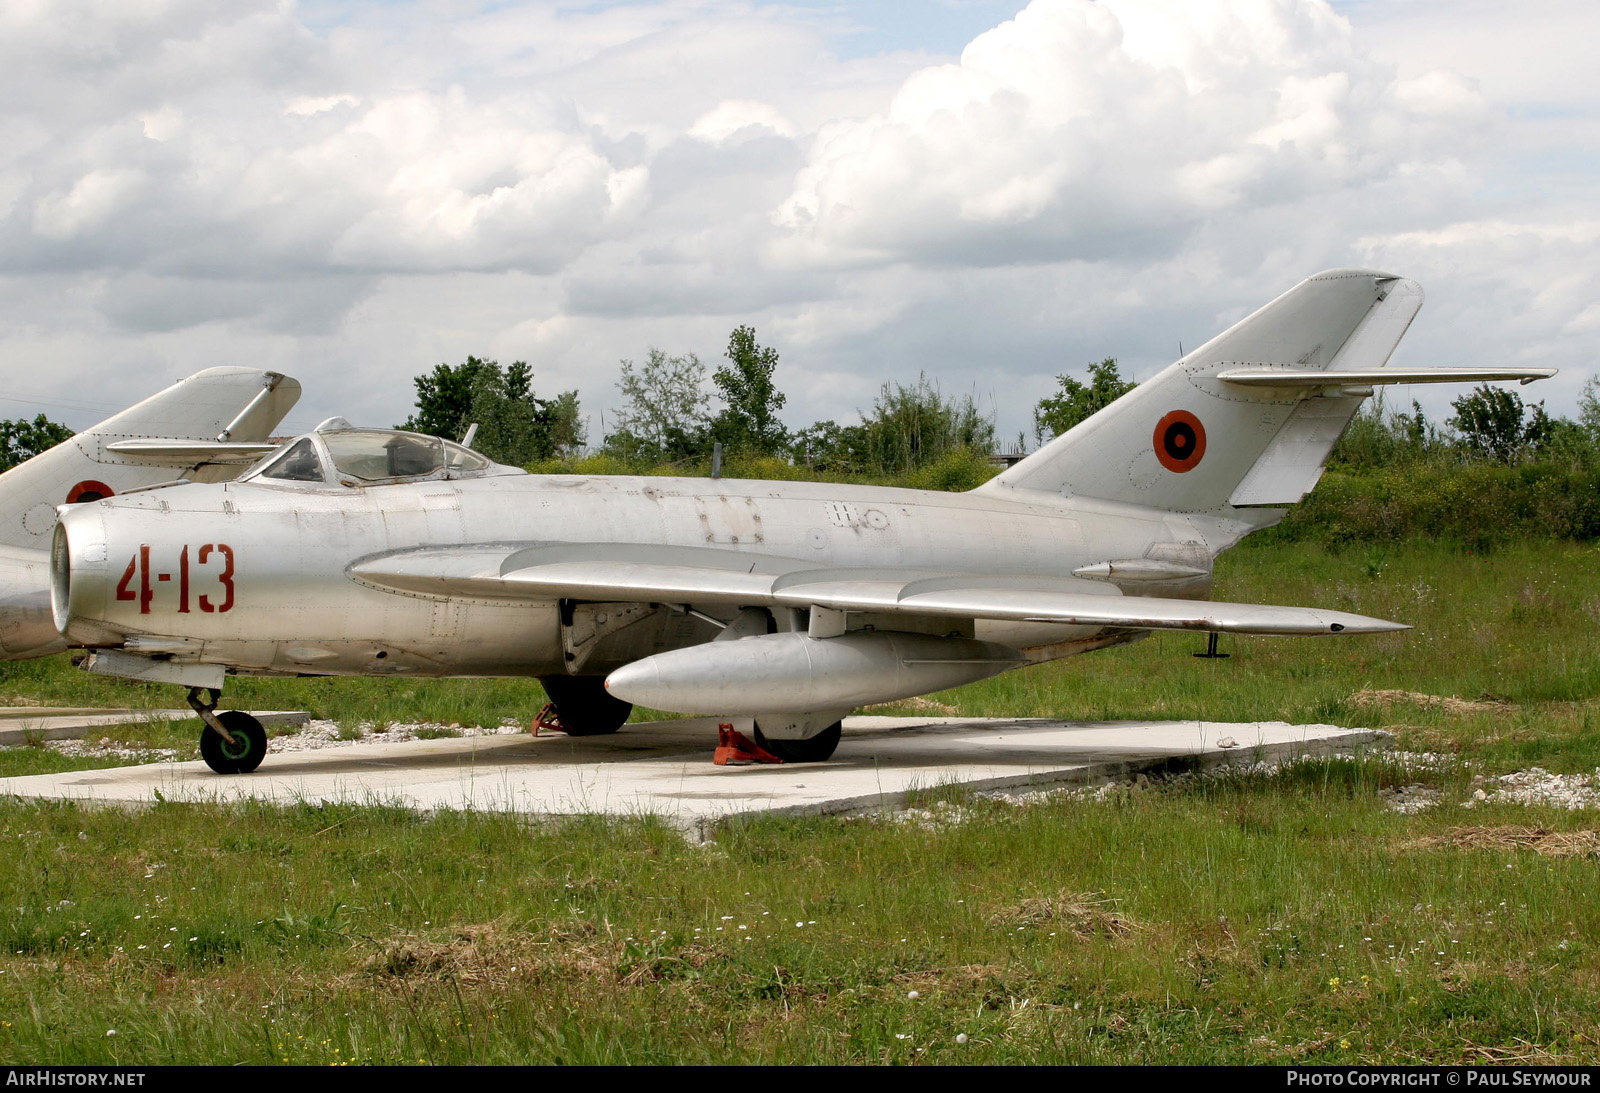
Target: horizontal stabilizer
[(609, 572), (1370, 377), (169, 452)]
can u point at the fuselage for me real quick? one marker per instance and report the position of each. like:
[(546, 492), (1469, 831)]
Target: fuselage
[(254, 574), (26, 626), (243, 405)]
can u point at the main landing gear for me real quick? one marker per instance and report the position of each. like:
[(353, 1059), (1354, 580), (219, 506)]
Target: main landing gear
[(813, 749), (232, 742), (583, 706)]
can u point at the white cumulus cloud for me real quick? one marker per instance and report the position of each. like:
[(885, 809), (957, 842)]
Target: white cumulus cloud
[(1082, 127)]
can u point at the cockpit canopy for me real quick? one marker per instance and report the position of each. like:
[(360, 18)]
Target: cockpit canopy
[(368, 457)]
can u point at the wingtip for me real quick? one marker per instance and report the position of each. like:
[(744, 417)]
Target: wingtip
[(1368, 626)]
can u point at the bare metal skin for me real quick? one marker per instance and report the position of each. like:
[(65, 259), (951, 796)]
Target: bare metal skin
[(380, 553), (176, 433)]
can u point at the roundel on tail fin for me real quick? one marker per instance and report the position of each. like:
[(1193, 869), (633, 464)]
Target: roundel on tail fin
[(88, 490), (1180, 441)]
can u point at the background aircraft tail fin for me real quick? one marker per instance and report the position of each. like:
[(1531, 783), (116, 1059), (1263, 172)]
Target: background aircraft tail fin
[(247, 402), (1189, 441)]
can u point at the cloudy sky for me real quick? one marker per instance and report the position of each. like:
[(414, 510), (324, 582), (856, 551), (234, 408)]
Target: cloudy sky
[(351, 192)]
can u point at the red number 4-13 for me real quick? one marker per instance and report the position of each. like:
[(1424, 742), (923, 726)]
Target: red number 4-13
[(139, 565)]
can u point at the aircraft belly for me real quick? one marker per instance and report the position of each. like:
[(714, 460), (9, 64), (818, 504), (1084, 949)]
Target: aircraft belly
[(430, 639)]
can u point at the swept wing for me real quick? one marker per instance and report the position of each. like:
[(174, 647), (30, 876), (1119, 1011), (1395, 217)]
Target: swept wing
[(606, 572)]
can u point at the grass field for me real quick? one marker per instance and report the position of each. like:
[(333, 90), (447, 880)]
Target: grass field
[(1271, 918)]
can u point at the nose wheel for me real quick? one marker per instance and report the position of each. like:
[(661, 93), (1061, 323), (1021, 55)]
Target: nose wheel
[(233, 742)]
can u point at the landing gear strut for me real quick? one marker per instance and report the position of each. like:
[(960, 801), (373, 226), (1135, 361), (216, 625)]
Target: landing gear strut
[(233, 742)]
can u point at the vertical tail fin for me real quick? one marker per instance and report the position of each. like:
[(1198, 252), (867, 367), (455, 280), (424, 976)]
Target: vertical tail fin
[(201, 407), (1186, 441)]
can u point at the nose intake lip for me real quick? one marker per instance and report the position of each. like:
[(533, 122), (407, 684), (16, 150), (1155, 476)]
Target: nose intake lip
[(60, 578)]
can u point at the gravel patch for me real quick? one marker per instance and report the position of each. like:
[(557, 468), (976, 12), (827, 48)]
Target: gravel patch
[(312, 736), (1411, 799), (1537, 786), (105, 749)]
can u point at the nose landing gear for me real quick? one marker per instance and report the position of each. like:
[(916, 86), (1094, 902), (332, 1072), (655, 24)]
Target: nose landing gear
[(233, 742)]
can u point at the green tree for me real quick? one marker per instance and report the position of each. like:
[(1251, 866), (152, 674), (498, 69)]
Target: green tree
[(1057, 413), (444, 399), (1589, 406), (515, 426), (1378, 438), (1496, 424), (909, 429), (831, 448), (750, 423), (664, 413), (21, 439)]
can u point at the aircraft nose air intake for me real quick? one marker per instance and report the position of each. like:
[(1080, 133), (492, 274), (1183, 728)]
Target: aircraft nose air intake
[(78, 580), (60, 577)]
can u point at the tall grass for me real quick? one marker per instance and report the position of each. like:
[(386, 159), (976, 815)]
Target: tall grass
[(1264, 920), (1290, 917)]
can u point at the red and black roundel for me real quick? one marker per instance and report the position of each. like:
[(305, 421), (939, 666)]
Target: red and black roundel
[(88, 490), (1180, 441)]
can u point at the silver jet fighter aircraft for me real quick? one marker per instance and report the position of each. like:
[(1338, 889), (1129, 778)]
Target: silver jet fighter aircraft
[(377, 552), (205, 428)]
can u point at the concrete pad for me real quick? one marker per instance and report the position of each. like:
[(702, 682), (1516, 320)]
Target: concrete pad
[(20, 724), (665, 769)]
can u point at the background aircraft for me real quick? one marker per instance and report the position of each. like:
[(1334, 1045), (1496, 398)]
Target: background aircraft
[(205, 428), (377, 552)]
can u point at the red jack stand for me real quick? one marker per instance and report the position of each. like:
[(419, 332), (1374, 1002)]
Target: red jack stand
[(547, 718), (734, 749)]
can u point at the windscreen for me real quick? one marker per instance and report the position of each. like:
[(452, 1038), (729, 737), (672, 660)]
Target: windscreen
[(299, 464)]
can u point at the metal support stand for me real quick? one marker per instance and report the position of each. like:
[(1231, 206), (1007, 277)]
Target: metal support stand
[(548, 720), (1211, 649)]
